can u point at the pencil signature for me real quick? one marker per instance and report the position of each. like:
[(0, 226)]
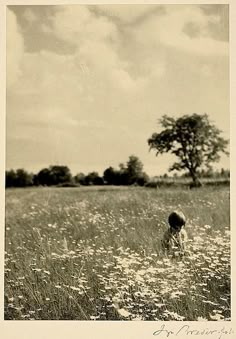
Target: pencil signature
[(191, 331)]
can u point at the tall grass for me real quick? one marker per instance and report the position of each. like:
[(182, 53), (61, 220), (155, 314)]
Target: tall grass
[(94, 254)]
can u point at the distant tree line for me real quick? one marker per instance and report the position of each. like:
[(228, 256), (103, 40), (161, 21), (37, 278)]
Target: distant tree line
[(211, 173), (130, 173)]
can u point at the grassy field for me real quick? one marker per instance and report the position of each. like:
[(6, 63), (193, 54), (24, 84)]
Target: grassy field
[(94, 254)]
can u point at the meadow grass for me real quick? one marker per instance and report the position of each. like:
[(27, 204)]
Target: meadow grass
[(94, 254)]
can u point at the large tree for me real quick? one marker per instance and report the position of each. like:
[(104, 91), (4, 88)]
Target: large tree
[(134, 169), (193, 139), (127, 174), (54, 175)]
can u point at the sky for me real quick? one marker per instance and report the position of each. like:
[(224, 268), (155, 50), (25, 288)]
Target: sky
[(86, 85)]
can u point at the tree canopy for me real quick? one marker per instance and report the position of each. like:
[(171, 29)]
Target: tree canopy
[(127, 174), (54, 175), (193, 139), (18, 178)]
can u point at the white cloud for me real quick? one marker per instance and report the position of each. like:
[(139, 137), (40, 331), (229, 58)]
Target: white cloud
[(168, 30), (15, 49), (97, 44), (126, 13), (76, 24), (57, 88)]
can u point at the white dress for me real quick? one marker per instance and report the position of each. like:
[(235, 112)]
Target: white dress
[(174, 240)]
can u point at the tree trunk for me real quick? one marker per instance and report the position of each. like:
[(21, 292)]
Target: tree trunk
[(196, 182)]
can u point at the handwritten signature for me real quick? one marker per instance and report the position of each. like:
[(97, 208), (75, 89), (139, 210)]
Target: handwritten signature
[(188, 330)]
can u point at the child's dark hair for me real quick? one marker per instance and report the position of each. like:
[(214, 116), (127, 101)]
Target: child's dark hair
[(176, 219)]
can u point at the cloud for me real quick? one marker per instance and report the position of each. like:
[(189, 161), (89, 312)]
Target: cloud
[(126, 13), (15, 49), (97, 43), (77, 24), (60, 90), (98, 48), (185, 28), (104, 69)]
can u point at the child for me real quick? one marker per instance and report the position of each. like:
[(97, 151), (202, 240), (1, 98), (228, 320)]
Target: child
[(175, 237)]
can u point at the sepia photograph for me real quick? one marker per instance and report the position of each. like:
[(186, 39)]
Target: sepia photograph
[(117, 173)]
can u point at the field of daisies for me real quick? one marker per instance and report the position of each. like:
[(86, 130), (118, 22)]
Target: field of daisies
[(94, 254)]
